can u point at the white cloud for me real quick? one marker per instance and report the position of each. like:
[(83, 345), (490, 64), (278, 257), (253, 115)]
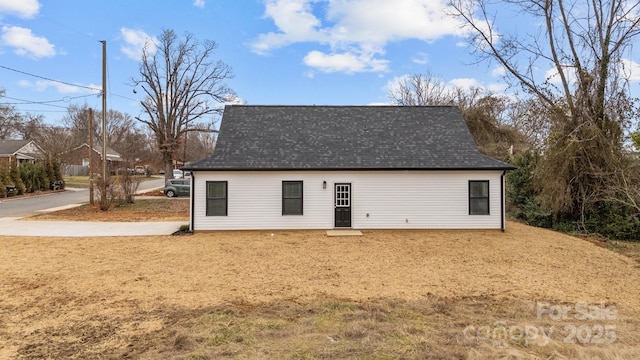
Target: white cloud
[(199, 3), (631, 69), (25, 43), (135, 41), (381, 21), (233, 99), (498, 71), (421, 58), (354, 30), (295, 22), (553, 76), (497, 87), (465, 83), (21, 8), (345, 62), (393, 85)]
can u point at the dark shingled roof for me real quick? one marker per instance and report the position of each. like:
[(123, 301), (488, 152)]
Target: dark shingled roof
[(344, 138), (10, 147)]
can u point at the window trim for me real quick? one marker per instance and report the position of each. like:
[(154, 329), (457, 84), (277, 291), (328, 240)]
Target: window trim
[(284, 182), (488, 212), (226, 198)]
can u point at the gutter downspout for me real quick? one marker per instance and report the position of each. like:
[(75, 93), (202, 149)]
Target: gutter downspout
[(502, 215), (193, 200)]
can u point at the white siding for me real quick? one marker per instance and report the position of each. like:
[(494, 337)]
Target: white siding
[(380, 200)]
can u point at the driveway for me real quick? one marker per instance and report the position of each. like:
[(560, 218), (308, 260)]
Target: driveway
[(16, 227), (13, 210)]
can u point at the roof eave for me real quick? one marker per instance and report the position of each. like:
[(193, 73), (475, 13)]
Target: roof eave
[(501, 168)]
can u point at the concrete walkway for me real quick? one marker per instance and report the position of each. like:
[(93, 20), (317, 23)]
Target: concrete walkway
[(14, 226), (17, 227)]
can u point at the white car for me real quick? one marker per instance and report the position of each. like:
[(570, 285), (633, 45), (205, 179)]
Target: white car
[(177, 174)]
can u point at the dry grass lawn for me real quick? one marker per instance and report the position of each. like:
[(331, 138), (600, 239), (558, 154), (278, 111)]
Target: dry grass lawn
[(302, 295), (160, 209)]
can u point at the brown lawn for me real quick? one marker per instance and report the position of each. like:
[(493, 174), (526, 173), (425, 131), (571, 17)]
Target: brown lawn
[(159, 209), (303, 295)]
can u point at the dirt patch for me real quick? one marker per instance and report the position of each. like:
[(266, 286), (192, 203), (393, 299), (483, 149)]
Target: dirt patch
[(166, 297)]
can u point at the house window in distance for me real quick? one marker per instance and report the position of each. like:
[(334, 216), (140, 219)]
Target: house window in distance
[(478, 197), (216, 198), (292, 198)]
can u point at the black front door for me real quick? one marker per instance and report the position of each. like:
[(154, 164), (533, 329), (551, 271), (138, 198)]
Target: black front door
[(343, 205)]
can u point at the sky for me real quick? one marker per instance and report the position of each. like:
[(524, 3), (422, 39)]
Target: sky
[(282, 52)]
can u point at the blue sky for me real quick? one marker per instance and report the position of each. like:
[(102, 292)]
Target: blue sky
[(336, 52)]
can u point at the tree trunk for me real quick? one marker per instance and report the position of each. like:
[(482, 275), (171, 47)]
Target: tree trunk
[(167, 161)]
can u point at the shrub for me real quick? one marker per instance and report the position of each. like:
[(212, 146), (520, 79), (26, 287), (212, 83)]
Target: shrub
[(127, 186), (106, 193), (57, 172), (533, 213), (4, 180), (16, 180), (3, 189), (34, 178), (615, 221)]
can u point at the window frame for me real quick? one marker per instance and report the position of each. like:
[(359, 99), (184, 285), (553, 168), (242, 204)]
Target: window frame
[(226, 198), (284, 198), (487, 198)]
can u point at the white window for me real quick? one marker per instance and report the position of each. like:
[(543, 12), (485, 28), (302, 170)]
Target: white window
[(343, 195)]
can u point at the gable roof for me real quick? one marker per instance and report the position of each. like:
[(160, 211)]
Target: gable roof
[(344, 138), (25, 148), (10, 147), (97, 148)]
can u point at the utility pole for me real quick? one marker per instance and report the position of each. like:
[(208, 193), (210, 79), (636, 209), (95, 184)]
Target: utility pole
[(104, 122), (91, 170)]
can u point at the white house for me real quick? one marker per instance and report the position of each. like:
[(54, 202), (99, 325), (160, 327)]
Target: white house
[(360, 167)]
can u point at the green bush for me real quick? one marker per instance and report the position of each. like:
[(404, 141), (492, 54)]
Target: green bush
[(3, 189), (520, 182), (16, 180), (4, 180), (533, 213), (57, 172), (522, 200), (34, 178), (615, 221)]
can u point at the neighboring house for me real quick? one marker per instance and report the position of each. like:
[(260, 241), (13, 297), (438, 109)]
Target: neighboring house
[(360, 167), (78, 158), (20, 151)]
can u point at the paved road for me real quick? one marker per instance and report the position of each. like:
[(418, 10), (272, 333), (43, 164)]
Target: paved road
[(20, 207)]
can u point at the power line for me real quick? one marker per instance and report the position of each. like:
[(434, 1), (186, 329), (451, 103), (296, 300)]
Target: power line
[(49, 79), (41, 111), (48, 102)]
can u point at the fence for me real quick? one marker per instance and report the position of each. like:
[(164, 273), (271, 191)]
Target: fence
[(75, 170)]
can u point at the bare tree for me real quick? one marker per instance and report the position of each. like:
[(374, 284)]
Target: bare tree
[(30, 127), (124, 136), (10, 120), (183, 86), (584, 96), (421, 90), (77, 121), (483, 112), (54, 139)]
